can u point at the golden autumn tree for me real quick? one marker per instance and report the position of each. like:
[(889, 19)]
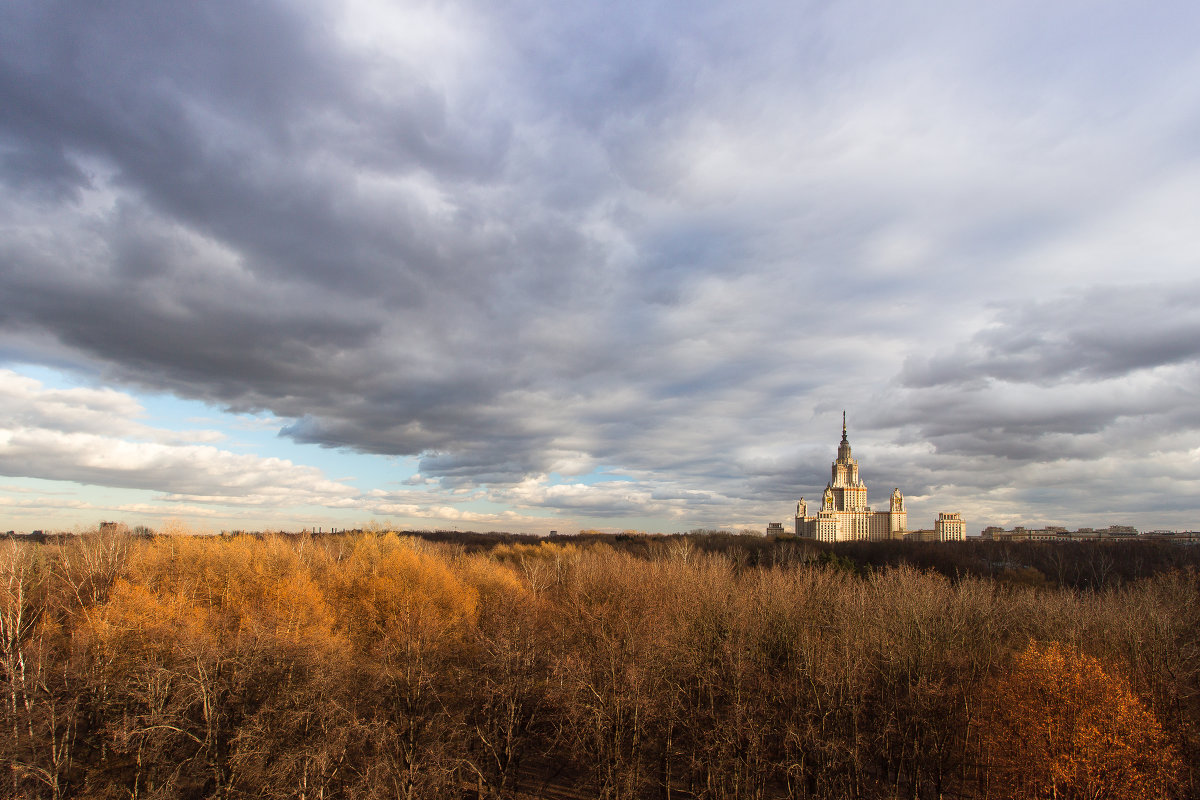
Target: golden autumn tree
[(1057, 725)]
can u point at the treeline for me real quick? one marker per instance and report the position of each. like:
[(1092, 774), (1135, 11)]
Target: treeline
[(1105, 564), (1077, 565), (375, 665)]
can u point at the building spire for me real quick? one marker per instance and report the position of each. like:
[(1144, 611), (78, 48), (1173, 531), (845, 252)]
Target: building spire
[(844, 447)]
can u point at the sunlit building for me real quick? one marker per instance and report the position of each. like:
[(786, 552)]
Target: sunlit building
[(1057, 533), (845, 516), (949, 527)]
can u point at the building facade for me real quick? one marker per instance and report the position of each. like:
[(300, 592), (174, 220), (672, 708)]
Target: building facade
[(845, 516), (1056, 533), (949, 527)]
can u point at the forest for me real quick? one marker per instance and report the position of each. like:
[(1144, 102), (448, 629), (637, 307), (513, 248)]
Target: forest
[(373, 664)]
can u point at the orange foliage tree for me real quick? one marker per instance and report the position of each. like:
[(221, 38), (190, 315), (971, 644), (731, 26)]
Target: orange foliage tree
[(1059, 726)]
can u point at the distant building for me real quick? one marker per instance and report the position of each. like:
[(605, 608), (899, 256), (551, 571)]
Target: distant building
[(1110, 531), (923, 535), (950, 527), (1056, 533), (845, 516), (1175, 537), (775, 529)]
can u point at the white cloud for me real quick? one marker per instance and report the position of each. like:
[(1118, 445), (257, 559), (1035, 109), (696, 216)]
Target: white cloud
[(92, 436)]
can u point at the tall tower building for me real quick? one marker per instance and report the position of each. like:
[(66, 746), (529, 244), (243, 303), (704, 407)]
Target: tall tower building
[(849, 493), (845, 516)]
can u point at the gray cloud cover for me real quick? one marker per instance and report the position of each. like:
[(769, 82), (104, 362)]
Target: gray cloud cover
[(672, 240)]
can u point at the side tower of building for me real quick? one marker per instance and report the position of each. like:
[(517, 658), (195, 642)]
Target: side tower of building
[(897, 516)]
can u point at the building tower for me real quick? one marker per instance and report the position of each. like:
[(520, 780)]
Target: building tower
[(897, 516), (849, 493)]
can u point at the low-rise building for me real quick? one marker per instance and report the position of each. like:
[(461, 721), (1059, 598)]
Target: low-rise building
[(1175, 537), (1057, 533)]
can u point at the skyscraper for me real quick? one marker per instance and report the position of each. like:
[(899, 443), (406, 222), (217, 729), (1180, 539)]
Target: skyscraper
[(845, 516)]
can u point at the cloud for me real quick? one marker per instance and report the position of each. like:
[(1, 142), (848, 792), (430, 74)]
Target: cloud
[(1084, 376), (612, 498), (91, 437), (672, 241), (1096, 334), (27, 405)]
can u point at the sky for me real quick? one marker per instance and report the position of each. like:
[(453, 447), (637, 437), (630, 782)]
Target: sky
[(528, 266)]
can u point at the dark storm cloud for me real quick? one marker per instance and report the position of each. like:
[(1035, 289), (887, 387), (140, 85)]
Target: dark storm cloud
[(221, 117), (389, 324), (241, 135)]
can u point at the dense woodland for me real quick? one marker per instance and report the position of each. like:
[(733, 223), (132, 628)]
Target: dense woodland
[(708, 666)]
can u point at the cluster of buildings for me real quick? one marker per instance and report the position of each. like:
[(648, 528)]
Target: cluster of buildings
[(1054, 533), (844, 515)]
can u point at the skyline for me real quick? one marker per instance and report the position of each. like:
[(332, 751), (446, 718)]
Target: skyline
[(514, 267)]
